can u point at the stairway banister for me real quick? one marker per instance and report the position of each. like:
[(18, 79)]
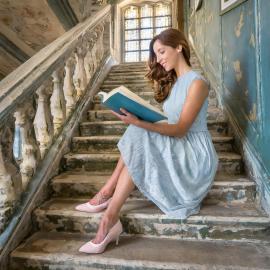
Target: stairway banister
[(25, 95), (23, 81)]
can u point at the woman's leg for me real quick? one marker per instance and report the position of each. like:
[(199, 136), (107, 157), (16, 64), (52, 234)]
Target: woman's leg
[(109, 187), (123, 188)]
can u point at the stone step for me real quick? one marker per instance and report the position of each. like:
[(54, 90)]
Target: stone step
[(134, 87), (96, 105), (230, 163), (104, 114), (60, 251), (139, 216), (91, 144), (118, 128), (142, 94), (125, 77), (123, 74), (229, 191)]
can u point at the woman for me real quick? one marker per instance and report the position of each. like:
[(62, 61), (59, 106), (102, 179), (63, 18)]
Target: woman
[(174, 163)]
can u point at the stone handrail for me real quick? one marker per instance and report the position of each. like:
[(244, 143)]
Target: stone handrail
[(36, 102)]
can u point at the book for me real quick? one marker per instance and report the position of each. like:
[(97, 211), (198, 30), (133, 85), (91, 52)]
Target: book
[(122, 97)]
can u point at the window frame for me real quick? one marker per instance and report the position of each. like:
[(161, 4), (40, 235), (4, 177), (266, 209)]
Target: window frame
[(123, 29)]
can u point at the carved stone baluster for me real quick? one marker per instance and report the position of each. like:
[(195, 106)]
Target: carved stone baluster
[(79, 78), (87, 61), (28, 161), (100, 42), (68, 87), (94, 53), (42, 123), (90, 59), (58, 107), (7, 193)]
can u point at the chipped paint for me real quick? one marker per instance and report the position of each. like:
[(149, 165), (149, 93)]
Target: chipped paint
[(238, 27), (253, 113), (238, 71), (252, 40)]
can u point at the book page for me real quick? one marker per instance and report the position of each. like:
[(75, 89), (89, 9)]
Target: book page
[(126, 92)]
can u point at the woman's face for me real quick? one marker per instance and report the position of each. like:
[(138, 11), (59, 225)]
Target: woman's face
[(167, 56)]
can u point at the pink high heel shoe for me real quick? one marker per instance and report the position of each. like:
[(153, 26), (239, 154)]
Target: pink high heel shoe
[(90, 208), (112, 235)]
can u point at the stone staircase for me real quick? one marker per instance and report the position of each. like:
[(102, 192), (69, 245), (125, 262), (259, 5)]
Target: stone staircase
[(230, 232)]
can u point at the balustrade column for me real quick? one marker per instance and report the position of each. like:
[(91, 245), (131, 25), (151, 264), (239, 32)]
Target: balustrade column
[(68, 87), (79, 78), (7, 193), (27, 161), (57, 105), (42, 121)]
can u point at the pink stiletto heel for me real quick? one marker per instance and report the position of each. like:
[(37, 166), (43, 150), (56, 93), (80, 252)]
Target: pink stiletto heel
[(90, 208), (113, 234)]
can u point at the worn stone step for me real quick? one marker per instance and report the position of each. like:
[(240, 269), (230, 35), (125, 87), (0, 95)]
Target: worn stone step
[(131, 64), (139, 216), (215, 112), (108, 143), (104, 114), (229, 191), (60, 251), (118, 128), (120, 78), (228, 162), (134, 87), (142, 94), (96, 105)]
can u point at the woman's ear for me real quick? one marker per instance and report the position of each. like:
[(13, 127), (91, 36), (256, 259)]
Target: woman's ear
[(179, 48)]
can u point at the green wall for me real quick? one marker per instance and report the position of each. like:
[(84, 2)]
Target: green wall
[(234, 49)]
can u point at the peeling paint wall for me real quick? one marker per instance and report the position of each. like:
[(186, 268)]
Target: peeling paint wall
[(234, 50)]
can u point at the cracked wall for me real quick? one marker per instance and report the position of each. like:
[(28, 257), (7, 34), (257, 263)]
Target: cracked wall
[(234, 50)]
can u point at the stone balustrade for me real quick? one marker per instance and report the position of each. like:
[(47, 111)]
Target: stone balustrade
[(36, 101)]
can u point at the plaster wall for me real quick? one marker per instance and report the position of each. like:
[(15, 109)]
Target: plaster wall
[(234, 50)]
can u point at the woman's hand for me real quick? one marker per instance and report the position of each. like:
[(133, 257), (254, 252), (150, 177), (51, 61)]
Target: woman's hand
[(127, 117)]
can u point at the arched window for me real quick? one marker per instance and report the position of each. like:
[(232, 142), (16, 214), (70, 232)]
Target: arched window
[(141, 23)]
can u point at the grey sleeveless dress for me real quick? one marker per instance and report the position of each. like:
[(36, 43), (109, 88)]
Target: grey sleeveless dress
[(175, 173)]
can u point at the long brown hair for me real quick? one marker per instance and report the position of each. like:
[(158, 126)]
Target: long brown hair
[(158, 76)]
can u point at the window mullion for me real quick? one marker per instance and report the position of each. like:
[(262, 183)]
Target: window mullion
[(140, 34), (154, 21)]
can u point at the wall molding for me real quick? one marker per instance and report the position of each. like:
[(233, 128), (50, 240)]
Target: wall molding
[(64, 13), (12, 49)]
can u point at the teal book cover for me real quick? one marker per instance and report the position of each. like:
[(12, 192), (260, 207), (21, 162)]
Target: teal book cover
[(121, 97)]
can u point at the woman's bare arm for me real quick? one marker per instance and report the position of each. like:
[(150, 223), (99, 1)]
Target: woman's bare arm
[(197, 94)]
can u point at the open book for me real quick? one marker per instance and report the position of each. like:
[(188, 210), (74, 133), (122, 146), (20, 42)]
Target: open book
[(122, 97)]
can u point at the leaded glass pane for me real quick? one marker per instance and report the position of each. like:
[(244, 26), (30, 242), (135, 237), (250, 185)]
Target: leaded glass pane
[(144, 55), (146, 22), (147, 33), (162, 9), (158, 30), (146, 11), (131, 45), (131, 34), (140, 30), (131, 56), (163, 21), (145, 44), (132, 12), (131, 24)]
